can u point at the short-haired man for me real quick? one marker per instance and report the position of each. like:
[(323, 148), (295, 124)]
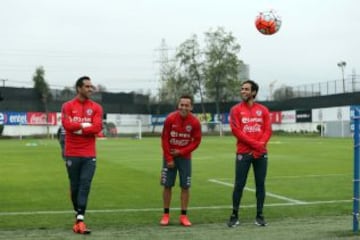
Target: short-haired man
[(180, 137), (251, 126), (82, 120)]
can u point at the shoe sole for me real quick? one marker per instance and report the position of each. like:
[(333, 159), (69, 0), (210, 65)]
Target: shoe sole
[(233, 225), (260, 225), (186, 225), (84, 233)]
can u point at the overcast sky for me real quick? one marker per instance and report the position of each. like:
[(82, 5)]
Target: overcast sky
[(116, 42)]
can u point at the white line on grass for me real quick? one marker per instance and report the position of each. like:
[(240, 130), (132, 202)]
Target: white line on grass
[(124, 210), (310, 176), (267, 193)]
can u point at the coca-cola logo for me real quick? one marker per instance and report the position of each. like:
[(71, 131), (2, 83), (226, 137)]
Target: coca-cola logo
[(38, 119), (252, 129)]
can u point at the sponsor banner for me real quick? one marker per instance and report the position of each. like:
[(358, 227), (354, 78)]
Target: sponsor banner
[(202, 118), (15, 118), (224, 118), (158, 119), (40, 118), (275, 117), (2, 118), (303, 116), (288, 116)]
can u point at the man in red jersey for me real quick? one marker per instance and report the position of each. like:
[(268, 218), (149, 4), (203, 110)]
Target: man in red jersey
[(82, 120), (181, 135), (250, 124)]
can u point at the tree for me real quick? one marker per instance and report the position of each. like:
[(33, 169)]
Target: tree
[(221, 66), (67, 93), (43, 90), (191, 66), (173, 83), (173, 86)]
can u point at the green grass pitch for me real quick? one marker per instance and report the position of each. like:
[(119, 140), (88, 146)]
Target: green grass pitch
[(309, 191)]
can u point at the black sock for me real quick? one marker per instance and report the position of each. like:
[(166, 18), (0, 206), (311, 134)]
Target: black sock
[(183, 212), (166, 210), (235, 212)]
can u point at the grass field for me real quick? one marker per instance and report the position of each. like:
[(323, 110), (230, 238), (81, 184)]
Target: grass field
[(309, 191)]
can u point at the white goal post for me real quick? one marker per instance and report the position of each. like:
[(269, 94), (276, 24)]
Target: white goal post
[(125, 128)]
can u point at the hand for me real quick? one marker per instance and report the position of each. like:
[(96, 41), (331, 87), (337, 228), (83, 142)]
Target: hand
[(260, 147), (85, 125), (258, 154), (174, 152), (78, 132), (171, 164)]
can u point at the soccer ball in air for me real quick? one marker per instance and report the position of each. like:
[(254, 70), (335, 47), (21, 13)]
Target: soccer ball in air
[(268, 22)]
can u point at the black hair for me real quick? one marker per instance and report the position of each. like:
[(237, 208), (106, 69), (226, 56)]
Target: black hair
[(254, 86), (187, 96), (80, 82)]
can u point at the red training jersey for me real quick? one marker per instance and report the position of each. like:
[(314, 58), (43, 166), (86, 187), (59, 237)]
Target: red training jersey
[(73, 113), (183, 134), (252, 127)]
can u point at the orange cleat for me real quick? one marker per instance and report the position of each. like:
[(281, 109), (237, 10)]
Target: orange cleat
[(80, 227), (165, 219), (184, 221)]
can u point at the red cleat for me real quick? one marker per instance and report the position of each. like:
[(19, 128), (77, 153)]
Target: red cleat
[(165, 219), (80, 227), (184, 221)]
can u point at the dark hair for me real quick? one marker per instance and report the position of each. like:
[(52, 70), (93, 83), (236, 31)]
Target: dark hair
[(186, 96), (80, 82), (254, 86)]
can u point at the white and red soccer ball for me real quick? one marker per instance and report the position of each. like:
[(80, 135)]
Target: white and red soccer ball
[(268, 22)]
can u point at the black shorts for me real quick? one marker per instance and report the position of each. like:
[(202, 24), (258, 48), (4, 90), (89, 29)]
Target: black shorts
[(168, 175)]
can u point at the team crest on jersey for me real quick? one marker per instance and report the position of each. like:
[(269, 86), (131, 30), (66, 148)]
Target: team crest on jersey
[(188, 128), (89, 111), (258, 112)]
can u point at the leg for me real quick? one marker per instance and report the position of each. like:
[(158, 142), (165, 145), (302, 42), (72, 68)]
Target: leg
[(185, 195), (167, 180), (168, 176), (167, 197), (86, 175), (73, 170), (184, 166), (260, 169), (242, 166)]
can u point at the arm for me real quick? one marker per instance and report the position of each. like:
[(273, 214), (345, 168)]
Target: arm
[(267, 131), (165, 141), (66, 119), (96, 125), (196, 139)]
